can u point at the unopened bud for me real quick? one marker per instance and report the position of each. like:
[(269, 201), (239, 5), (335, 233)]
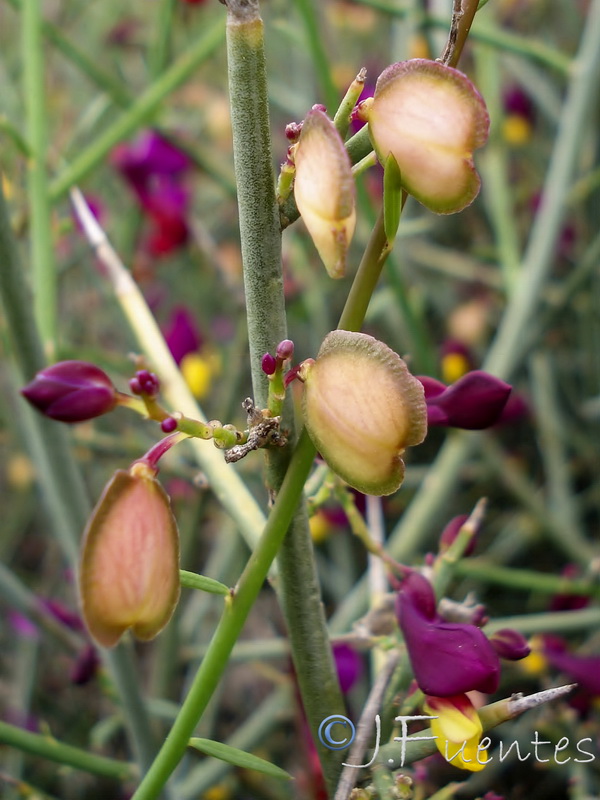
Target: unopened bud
[(71, 391), (362, 408), (268, 364), (510, 644), (285, 350)]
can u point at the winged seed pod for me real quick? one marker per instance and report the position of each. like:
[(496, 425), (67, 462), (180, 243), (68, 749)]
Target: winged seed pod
[(129, 574), (324, 190), (431, 118), (362, 408)]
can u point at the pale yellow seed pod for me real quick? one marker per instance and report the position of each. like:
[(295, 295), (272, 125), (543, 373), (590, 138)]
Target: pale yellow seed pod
[(129, 573), (324, 190), (431, 118), (362, 408)]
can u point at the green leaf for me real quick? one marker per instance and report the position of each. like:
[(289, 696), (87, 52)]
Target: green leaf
[(392, 198), (191, 580), (237, 757)]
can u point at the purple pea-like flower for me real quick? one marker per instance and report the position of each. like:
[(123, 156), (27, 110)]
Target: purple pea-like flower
[(510, 644), (582, 669), (448, 658), (182, 334), (476, 401), (71, 391), (155, 170), (349, 665)]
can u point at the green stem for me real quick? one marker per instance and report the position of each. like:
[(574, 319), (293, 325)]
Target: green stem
[(45, 746), (139, 112), (237, 609), (298, 583), (159, 55), (255, 178), (366, 279), (227, 486), (527, 580), (489, 34), (313, 27), (42, 253)]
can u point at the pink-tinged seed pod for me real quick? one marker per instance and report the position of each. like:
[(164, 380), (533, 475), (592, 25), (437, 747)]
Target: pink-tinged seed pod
[(362, 408), (129, 574), (324, 190), (71, 391), (431, 118)]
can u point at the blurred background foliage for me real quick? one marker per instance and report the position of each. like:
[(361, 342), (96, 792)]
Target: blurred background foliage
[(442, 296)]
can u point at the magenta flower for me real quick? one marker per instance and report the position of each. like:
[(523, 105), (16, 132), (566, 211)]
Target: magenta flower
[(182, 334), (155, 170), (476, 401), (448, 658), (71, 391), (584, 670), (349, 665), (451, 531)]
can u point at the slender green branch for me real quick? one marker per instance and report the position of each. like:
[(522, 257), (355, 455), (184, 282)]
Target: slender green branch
[(159, 54), (309, 11), (47, 747), (226, 484), (525, 579), (141, 110), (42, 253), (492, 35), (366, 279), (237, 609)]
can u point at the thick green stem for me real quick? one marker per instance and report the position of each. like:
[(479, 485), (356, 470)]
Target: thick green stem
[(298, 583), (42, 254), (255, 178)]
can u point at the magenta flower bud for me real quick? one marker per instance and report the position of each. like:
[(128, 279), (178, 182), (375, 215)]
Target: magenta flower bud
[(145, 382), (510, 644), (85, 667), (64, 615), (168, 425), (71, 391), (451, 531), (285, 350), (474, 402), (464, 658), (293, 131), (349, 665), (268, 364)]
